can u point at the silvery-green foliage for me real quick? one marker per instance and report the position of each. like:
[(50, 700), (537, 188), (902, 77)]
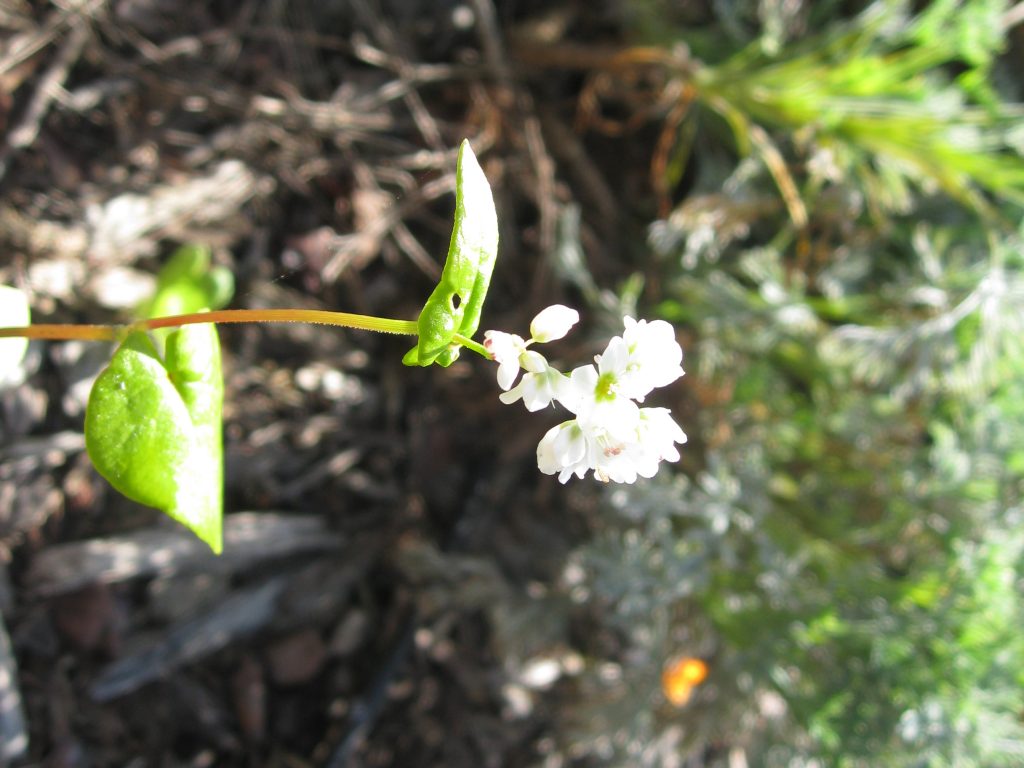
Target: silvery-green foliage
[(843, 552), (969, 327), (842, 546)]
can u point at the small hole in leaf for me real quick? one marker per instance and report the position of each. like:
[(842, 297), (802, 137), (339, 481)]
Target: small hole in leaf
[(456, 300)]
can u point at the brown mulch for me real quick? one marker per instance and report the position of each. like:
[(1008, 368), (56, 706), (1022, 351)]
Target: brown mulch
[(390, 543)]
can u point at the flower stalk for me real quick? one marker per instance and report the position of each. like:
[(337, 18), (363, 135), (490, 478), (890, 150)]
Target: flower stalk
[(70, 331)]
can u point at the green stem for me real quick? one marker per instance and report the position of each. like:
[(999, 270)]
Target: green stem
[(115, 332), (65, 332), (468, 343), (318, 316), (69, 331)]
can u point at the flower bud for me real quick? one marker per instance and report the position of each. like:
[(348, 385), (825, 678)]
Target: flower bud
[(553, 323)]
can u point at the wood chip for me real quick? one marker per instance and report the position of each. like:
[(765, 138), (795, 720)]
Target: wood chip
[(296, 658), (281, 604), (248, 537), (88, 619), (238, 617)]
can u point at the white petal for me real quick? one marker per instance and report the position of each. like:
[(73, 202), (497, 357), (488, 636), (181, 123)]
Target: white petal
[(539, 389), (507, 372), (513, 394), (535, 394), (584, 380), (532, 361), (615, 357), (654, 358), (619, 419), (547, 462), (563, 391), (503, 346), (553, 323), (570, 444), (563, 449), (505, 349), (577, 390)]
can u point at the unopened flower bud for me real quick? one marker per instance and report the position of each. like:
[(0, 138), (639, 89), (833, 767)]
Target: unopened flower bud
[(553, 323)]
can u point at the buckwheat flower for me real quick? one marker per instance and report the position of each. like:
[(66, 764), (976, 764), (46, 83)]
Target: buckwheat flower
[(620, 461), (645, 357), (541, 384), (614, 465), (595, 399), (553, 323), (510, 351), (609, 456), (611, 435), (571, 448), (656, 436), (574, 448), (564, 450), (505, 349)]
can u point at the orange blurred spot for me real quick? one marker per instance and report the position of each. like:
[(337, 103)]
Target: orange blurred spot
[(681, 677)]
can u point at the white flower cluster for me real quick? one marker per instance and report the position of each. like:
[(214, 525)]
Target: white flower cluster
[(611, 434)]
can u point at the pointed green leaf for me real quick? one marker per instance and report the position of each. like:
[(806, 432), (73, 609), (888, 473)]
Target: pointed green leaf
[(152, 427), (454, 306), (187, 283), (193, 363)]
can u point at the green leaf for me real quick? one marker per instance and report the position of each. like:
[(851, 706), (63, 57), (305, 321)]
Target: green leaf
[(14, 311), (186, 283), (153, 424), (153, 427), (455, 304)]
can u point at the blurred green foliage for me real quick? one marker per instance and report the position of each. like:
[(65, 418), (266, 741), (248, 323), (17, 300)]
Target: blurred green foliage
[(843, 543), (874, 96)]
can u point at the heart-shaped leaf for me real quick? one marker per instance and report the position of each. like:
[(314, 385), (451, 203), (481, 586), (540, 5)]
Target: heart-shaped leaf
[(455, 304), (153, 427)]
